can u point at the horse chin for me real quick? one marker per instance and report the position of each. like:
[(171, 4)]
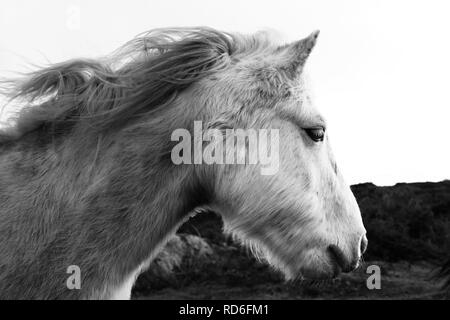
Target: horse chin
[(324, 271), (307, 265), (311, 264), (322, 274), (262, 253), (293, 270), (318, 266)]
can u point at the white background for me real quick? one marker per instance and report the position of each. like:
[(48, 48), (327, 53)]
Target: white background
[(380, 69)]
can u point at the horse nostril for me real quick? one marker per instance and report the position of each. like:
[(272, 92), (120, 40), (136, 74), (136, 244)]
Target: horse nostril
[(363, 244)]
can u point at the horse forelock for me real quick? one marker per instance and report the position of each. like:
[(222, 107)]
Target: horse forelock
[(140, 77)]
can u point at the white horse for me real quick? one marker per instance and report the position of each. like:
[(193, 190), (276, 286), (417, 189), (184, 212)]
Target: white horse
[(87, 182)]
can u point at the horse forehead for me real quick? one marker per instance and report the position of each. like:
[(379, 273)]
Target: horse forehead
[(247, 81), (301, 99)]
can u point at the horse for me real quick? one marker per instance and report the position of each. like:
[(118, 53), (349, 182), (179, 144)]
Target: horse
[(88, 187)]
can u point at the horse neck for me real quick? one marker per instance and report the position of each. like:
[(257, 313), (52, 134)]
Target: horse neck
[(119, 191), (148, 195), (133, 175)]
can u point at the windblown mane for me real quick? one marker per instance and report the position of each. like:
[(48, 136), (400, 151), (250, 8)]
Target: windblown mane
[(143, 75)]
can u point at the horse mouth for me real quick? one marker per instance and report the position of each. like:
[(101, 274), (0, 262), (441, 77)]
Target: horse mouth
[(340, 262)]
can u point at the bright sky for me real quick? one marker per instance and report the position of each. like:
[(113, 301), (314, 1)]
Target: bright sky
[(380, 69)]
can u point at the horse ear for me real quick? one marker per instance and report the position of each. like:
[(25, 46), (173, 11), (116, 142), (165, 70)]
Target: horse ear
[(297, 53)]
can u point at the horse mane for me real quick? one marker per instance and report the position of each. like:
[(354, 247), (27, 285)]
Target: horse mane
[(141, 76)]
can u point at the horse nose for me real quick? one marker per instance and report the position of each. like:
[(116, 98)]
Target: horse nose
[(363, 244), (348, 263)]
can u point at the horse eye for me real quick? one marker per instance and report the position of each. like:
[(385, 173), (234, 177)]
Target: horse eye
[(316, 134)]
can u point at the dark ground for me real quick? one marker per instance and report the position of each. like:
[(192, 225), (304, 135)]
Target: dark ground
[(408, 228), (403, 281)]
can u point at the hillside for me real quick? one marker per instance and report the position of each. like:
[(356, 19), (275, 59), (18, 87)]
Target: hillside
[(407, 221)]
